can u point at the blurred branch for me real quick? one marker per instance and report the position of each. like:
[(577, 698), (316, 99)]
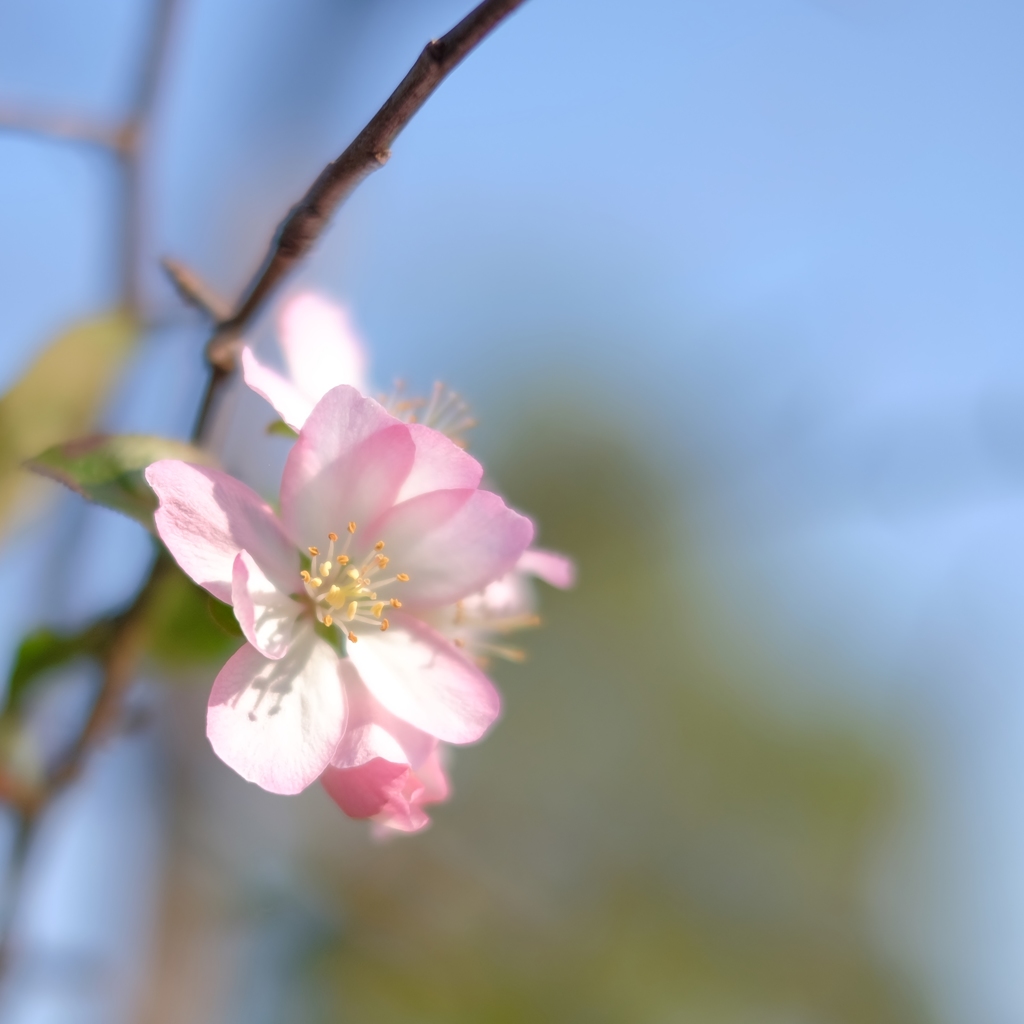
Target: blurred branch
[(369, 151), (63, 127), (195, 291)]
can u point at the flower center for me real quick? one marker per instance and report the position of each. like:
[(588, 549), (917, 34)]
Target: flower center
[(344, 593)]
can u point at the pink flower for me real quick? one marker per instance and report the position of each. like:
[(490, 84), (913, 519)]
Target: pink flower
[(384, 769), (504, 606), (392, 519), (321, 350)]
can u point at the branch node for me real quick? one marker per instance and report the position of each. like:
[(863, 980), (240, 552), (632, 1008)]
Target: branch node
[(223, 349), (382, 156)]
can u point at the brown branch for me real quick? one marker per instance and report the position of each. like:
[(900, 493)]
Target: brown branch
[(195, 291), (64, 127), (367, 152)]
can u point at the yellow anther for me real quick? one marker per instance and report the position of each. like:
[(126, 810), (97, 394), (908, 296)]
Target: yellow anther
[(382, 560), (316, 581), (377, 609), (328, 621), (350, 612), (342, 559), (384, 625), (332, 537), (403, 576), (351, 527), (336, 597), (353, 638), (325, 568), (395, 603), (305, 575), (379, 546), (352, 573), (314, 552)]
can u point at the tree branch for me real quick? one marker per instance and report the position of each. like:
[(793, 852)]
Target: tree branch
[(367, 152), (64, 127)]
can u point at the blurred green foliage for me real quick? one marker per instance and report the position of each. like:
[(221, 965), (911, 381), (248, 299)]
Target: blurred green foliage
[(643, 838), (109, 470), (187, 626), (59, 396)]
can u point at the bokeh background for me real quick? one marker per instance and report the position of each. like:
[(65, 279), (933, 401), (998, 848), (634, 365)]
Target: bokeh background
[(734, 289)]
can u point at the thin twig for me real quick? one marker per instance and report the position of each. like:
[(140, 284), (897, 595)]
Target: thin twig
[(195, 291), (366, 153), (62, 126)]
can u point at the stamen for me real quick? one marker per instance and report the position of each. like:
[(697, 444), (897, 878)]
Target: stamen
[(353, 638), (316, 581), (352, 573), (305, 576), (403, 576), (313, 552), (328, 621), (395, 603), (382, 561), (384, 625), (350, 613), (325, 568), (377, 609), (351, 527), (332, 537), (379, 546), (342, 559)]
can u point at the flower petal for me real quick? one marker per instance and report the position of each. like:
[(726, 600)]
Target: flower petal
[(440, 464), (389, 793), (422, 678), (551, 567), (373, 731), (451, 543), (206, 517), (288, 401), (348, 465), (278, 723), (321, 346), (267, 615)]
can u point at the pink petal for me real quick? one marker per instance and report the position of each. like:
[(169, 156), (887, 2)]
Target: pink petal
[(391, 793), (440, 464), (374, 732), (267, 615), (321, 346), (278, 723), (436, 787), (288, 401), (451, 544), (378, 789), (549, 566), (422, 678), (206, 517), (348, 465)]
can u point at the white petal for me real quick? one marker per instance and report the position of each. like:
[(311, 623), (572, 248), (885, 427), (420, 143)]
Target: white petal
[(278, 723), (268, 616)]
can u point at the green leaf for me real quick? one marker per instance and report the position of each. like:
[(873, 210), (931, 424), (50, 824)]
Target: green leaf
[(333, 636), (187, 627), (281, 429), (224, 616), (59, 396), (108, 470), (44, 649)]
